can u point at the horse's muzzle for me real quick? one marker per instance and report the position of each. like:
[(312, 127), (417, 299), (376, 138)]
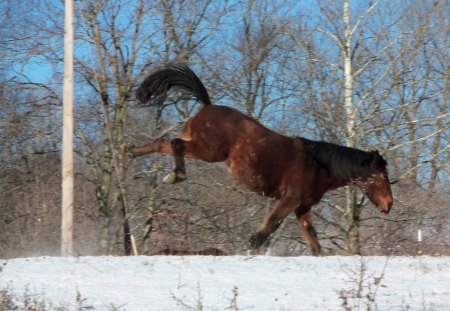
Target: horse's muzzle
[(385, 207)]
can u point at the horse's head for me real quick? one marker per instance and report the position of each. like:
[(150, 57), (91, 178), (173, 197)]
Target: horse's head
[(377, 186)]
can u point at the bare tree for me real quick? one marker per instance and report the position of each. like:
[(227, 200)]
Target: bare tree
[(255, 62), (358, 53)]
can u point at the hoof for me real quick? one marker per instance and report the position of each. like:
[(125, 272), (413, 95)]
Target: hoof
[(252, 251), (317, 252), (173, 178), (257, 240), (128, 150), (170, 179)]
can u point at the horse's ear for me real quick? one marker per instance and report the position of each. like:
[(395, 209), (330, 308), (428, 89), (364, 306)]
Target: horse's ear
[(377, 162)]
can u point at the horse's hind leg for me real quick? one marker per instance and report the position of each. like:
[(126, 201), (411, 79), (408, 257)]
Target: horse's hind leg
[(282, 209), (304, 219), (176, 147), (160, 145), (179, 173)]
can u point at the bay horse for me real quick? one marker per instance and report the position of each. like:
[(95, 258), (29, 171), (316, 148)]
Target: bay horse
[(294, 170)]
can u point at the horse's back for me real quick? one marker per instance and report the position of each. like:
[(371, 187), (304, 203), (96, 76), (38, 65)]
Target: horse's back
[(228, 123), (256, 155), (219, 129)]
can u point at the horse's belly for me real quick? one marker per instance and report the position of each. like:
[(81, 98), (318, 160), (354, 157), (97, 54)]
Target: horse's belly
[(256, 162), (256, 180)]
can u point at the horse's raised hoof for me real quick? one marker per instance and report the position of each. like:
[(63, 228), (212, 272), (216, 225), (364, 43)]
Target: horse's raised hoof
[(128, 150), (174, 178)]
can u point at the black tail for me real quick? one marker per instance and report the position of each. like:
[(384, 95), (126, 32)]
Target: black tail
[(156, 86)]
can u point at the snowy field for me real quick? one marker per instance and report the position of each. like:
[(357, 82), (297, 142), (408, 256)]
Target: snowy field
[(228, 283)]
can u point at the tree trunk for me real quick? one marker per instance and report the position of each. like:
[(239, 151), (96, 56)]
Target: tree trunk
[(126, 227), (353, 223), (348, 78), (352, 209), (105, 235)]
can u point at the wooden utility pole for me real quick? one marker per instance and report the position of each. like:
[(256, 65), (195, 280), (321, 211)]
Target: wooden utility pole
[(67, 142)]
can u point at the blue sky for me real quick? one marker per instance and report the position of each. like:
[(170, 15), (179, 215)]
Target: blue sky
[(39, 70)]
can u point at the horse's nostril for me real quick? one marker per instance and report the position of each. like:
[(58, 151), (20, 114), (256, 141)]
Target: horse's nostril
[(387, 207)]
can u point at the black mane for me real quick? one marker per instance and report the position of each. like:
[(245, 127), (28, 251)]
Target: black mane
[(344, 163)]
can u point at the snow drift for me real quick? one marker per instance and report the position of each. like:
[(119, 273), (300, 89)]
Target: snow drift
[(229, 282)]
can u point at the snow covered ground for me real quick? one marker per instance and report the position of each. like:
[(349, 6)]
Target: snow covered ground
[(229, 283)]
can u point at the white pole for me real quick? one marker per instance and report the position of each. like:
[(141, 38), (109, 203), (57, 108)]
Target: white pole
[(419, 242), (67, 141)]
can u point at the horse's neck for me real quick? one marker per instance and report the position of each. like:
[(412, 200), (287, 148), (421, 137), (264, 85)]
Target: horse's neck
[(336, 183)]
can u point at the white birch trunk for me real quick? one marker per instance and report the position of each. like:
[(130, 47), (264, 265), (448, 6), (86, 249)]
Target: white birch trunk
[(352, 213), (348, 77)]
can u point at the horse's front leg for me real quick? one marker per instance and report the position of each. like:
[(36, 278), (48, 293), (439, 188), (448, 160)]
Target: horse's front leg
[(176, 147), (309, 233), (282, 209)]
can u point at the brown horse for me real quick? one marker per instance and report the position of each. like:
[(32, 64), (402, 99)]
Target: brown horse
[(294, 170)]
